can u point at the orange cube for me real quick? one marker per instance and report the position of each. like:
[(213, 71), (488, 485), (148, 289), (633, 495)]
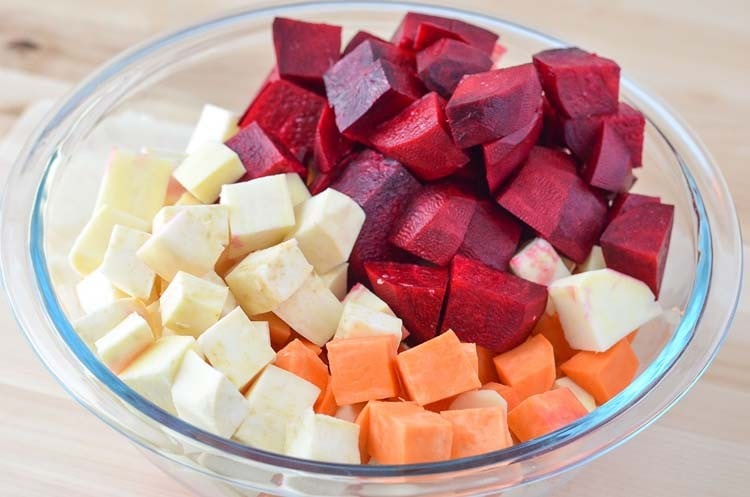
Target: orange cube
[(363, 368), (302, 361), (487, 372), (529, 368), (544, 413), (550, 327), (506, 392), (281, 333), (470, 349), (326, 403), (478, 431)]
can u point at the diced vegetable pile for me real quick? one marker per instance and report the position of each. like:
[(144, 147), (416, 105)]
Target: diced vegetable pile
[(398, 253)]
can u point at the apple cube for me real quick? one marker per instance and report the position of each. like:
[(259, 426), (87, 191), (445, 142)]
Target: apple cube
[(231, 302), (98, 323), (335, 280), (361, 321), (124, 342), (298, 191), (319, 325), (361, 295), (96, 291), (207, 169), (206, 398), (323, 438), (585, 398), (237, 347), (594, 261), (191, 305), (538, 262), (123, 268), (152, 374), (214, 217), (215, 125), (478, 398), (599, 308)]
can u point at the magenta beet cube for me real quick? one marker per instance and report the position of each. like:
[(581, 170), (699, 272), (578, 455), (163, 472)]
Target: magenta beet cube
[(435, 223), (262, 154), (609, 166), (418, 138), (637, 242), (330, 145), (491, 308), (623, 202), (503, 157), (305, 50), (358, 38), (489, 105), (442, 65), (428, 33), (548, 196), (492, 236), (473, 35), (579, 83), (414, 293)]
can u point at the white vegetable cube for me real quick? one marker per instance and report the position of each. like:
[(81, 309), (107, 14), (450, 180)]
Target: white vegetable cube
[(205, 397), (185, 243), (599, 308), (231, 302), (135, 183), (336, 280), (124, 342), (538, 262), (360, 321), (582, 395), (312, 311), (209, 167), (123, 268), (478, 398), (323, 438), (297, 188), (152, 374), (187, 198), (98, 323), (88, 249), (594, 261), (260, 213), (95, 291), (360, 294), (238, 347), (190, 305), (153, 316), (266, 278), (215, 125), (275, 399), (214, 217), (327, 227)]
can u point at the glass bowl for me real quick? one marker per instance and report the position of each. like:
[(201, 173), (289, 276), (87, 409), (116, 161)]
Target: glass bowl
[(152, 94)]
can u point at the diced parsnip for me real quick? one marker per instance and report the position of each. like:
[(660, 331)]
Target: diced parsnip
[(594, 261), (123, 268), (336, 280), (98, 323), (298, 191), (190, 305), (360, 321), (209, 167), (323, 438), (215, 125), (312, 311), (360, 294), (231, 302), (95, 291), (583, 396), (214, 217), (124, 342)]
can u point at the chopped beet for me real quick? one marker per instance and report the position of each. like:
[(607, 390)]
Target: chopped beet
[(637, 241), (473, 35), (330, 145), (504, 156), (623, 202), (435, 223), (428, 33), (358, 38), (497, 52), (579, 83), (418, 138), (471, 177), (262, 154), (383, 188), (552, 126), (492, 236), (290, 113), (414, 293), (493, 309), (442, 65), (609, 166), (489, 105), (548, 195), (305, 50)]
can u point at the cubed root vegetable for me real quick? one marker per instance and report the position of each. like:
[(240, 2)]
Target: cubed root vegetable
[(478, 431), (529, 368), (299, 359), (363, 368), (549, 326), (544, 413), (508, 393)]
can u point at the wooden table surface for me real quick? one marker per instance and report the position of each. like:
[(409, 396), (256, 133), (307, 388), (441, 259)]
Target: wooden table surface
[(692, 54)]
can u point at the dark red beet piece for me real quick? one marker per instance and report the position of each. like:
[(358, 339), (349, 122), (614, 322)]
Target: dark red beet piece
[(471, 177), (497, 52), (383, 188), (290, 113), (491, 308), (435, 223), (262, 154), (418, 138), (358, 38), (330, 145), (552, 127), (415, 293), (579, 83), (548, 195), (428, 33), (489, 105), (305, 50), (503, 157), (473, 35), (442, 65), (637, 242), (609, 166), (492, 236), (623, 202)]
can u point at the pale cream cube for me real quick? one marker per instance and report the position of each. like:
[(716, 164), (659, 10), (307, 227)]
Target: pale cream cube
[(478, 398), (231, 302), (538, 262), (336, 280), (327, 227), (205, 397), (312, 311), (238, 347), (260, 213), (594, 261), (360, 321), (585, 398), (214, 217), (266, 278), (123, 268), (215, 125), (209, 167), (298, 190), (89, 247), (318, 437), (187, 198), (98, 323), (275, 399), (153, 373), (191, 304), (153, 316), (96, 291), (360, 294), (124, 342), (350, 412)]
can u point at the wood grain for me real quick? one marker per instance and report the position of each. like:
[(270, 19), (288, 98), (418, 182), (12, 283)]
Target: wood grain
[(692, 54)]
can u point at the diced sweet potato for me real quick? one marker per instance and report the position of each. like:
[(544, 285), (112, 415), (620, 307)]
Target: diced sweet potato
[(609, 166), (296, 358), (487, 371), (281, 333), (579, 83), (428, 34), (305, 50), (478, 431), (442, 65), (544, 413), (549, 326), (529, 368), (330, 145), (508, 393), (504, 156), (492, 236), (489, 105), (637, 242), (414, 293), (490, 308), (357, 39), (326, 403), (363, 368), (623, 202), (262, 154), (473, 35)]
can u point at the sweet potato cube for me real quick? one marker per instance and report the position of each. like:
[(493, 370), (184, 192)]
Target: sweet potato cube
[(609, 166), (492, 236), (299, 359), (623, 202), (442, 65), (363, 368), (406, 32), (529, 368), (487, 371), (305, 50), (544, 413), (281, 333), (330, 145), (549, 326), (510, 395), (504, 156), (478, 430), (326, 403), (262, 154)]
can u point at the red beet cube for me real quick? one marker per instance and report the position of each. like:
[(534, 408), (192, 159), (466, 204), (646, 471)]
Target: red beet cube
[(290, 113), (491, 308), (415, 293), (552, 127), (623, 202), (497, 52), (548, 195), (637, 241), (358, 38), (473, 35), (305, 50), (383, 188), (330, 145), (503, 157), (442, 65), (579, 83), (609, 166), (492, 236), (489, 105), (262, 154), (435, 223), (418, 138), (428, 33)]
